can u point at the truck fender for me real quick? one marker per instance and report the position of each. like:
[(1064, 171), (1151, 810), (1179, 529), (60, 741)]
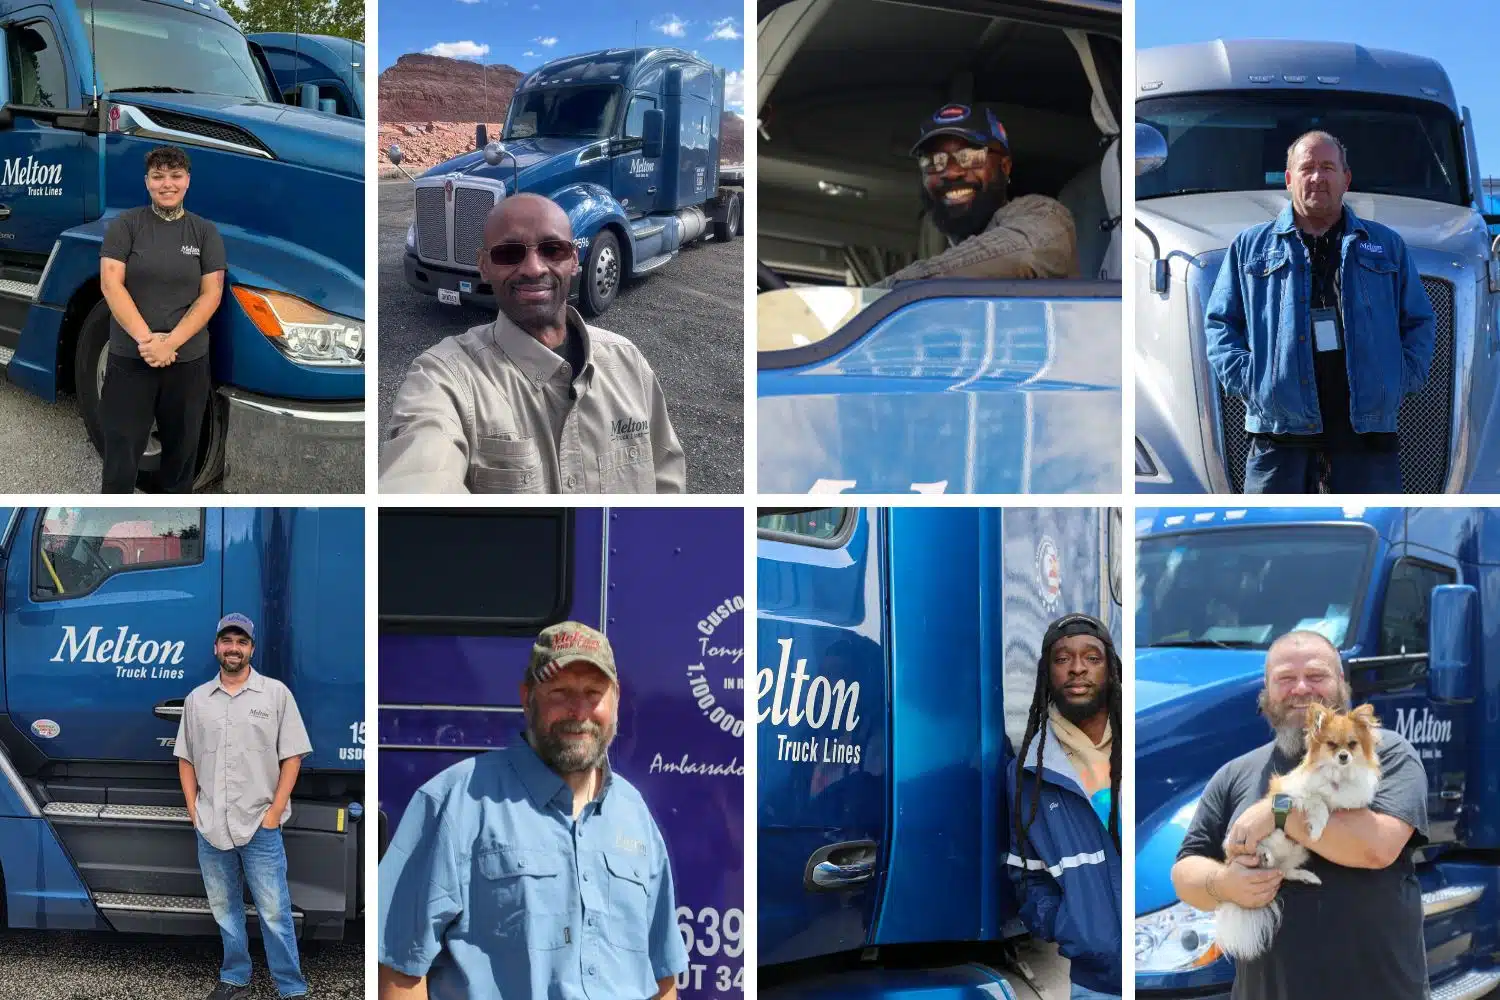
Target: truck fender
[(1156, 848), (590, 208), (68, 290)]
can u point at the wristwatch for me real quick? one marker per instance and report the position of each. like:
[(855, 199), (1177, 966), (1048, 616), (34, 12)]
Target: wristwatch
[(1281, 807)]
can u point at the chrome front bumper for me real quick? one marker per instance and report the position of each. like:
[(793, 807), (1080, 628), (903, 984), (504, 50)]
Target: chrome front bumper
[(292, 446)]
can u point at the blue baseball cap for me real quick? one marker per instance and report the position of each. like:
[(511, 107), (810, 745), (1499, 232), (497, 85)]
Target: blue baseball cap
[(981, 128), (237, 621)]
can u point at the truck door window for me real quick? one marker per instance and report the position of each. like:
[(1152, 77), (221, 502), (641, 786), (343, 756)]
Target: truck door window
[(824, 526), (77, 548), (1408, 595), (38, 74), (635, 116), (474, 572)]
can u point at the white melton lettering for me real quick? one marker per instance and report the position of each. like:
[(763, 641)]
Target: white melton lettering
[(125, 647), (840, 699), (31, 172), (1426, 728)]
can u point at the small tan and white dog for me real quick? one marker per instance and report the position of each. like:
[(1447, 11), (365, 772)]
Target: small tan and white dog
[(1340, 771)]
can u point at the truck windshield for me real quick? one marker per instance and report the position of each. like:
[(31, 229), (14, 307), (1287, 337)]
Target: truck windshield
[(1238, 142), (145, 46), (1243, 587), (564, 112)]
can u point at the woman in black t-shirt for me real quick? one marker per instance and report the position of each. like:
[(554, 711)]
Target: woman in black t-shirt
[(162, 271)]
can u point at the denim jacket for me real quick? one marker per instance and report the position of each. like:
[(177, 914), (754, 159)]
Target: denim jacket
[(1259, 328)]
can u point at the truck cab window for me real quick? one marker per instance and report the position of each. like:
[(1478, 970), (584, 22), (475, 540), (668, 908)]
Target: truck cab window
[(77, 548), (38, 74), (570, 112), (813, 525), (154, 45), (1408, 596), (635, 117)]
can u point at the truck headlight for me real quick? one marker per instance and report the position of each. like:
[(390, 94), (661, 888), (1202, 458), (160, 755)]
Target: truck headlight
[(411, 237), (1174, 940), (302, 331)]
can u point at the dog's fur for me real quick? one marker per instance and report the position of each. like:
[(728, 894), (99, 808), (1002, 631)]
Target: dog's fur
[(1340, 771)]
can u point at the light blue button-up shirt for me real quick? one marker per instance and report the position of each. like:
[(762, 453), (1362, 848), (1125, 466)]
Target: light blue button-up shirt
[(491, 889)]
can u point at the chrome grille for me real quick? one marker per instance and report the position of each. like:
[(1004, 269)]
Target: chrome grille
[(1424, 420), (432, 224), (471, 206)]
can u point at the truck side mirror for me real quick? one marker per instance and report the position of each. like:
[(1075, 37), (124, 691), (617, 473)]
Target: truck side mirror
[(394, 154), (307, 96), (1450, 641), (494, 152), (481, 136), (1150, 149), (653, 126), (329, 105)]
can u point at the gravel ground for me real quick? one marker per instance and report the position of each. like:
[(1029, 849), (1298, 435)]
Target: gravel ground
[(78, 965), (45, 446), (688, 318)]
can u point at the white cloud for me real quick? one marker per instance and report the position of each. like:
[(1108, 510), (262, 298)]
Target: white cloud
[(734, 88), (546, 42), (528, 55), (671, 25), (458, 50), (471, 1), (724, 30)]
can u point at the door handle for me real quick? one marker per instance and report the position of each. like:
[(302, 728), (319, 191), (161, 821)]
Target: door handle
[(1451, 794), (649, 190), (840, 866), (4, 212), (169, 710)]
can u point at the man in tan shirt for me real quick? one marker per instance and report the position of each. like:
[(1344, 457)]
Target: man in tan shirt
[(964, 155), (537, 401)]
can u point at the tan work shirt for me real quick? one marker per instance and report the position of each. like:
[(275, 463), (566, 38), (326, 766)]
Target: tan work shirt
[(236, 743), (1031, 237), (493, 411)]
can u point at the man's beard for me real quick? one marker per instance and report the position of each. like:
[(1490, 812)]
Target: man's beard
[(1079, 712), (533, 316), (962, 221), (569, 756), (233, 668), (1290, 729)]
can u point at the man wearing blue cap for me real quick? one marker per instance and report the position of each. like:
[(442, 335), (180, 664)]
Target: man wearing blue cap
[(240, 745), (964, 156)]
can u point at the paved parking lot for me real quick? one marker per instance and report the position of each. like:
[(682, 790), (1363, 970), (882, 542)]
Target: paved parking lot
[(74, 965), (43, 446), (688, 318)]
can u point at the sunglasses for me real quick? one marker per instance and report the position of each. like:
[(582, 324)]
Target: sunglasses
[(551, 251), (967, 158)]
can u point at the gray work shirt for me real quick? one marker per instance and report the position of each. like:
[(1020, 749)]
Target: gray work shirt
[(493, 411), (236, 743), (164, 267)]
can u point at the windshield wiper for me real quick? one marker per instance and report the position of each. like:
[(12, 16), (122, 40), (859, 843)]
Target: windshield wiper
[(151, 90), (1206, 643)]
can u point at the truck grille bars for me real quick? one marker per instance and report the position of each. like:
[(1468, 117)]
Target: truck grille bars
[(1425, 419), (450, 218)]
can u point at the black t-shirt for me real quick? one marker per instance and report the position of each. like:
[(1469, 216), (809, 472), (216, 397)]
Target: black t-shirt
[(1359, 934), (1330, 371), (164, 267)]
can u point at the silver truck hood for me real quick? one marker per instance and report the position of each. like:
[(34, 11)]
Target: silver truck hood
[(1198, 223)]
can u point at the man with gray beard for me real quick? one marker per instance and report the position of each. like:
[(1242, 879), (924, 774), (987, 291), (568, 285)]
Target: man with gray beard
[(534, 870), (1374, 948)]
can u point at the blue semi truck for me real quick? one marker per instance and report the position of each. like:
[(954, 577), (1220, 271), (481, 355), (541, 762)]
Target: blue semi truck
[(108, 624), (1407, 595), (667, 587), (625, 140), (86, 90), (897, 660), (321, 72)]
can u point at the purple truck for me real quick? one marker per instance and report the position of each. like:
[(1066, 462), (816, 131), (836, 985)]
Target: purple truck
[(463, 593)]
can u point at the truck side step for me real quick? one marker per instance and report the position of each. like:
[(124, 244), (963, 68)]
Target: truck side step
[(653, 263), (146, 913), (92, 810), (1468, 986), (1453, 897), (19, 289)]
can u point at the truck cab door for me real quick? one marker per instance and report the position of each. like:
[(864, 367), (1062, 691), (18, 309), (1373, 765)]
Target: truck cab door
[(45, 169), (637, 178), (109, 617), (1398, 689)]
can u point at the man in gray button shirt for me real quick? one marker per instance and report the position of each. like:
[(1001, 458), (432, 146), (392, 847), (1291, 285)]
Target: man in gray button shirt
[(239, 746), (537, 401)]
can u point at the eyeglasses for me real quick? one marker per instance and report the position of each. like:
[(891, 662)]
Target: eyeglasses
[(551, 251), (967, 158)]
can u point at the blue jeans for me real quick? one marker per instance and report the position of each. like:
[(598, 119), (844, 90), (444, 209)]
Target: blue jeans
[(1272, 468), (262, 864), (1084, 993)]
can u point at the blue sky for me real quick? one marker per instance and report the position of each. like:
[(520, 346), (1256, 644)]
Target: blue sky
[(1462, 38), (527, 33)]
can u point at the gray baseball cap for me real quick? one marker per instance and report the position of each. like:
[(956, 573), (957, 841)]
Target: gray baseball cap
[(237, 621), (568, 642)]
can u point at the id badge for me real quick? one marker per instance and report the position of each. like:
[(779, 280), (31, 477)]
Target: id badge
[(1325, 323)]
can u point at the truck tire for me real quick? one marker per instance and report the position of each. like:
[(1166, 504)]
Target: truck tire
[(602, 270), (89, 359), (727, 217)]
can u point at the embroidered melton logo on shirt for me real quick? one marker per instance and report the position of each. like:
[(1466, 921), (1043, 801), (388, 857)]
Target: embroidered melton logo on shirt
[(626, 429), (625, 843), (260, 713), (190, 251), (1372, 248)]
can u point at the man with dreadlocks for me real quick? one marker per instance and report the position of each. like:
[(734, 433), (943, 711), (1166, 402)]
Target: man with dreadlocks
[(1064, 860)]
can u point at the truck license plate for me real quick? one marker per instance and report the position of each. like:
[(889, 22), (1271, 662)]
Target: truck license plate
[(448, 296)]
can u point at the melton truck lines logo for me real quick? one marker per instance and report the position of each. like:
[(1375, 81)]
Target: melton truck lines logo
[(155, 656), (37, 178), (1426, 728), (833, 704)]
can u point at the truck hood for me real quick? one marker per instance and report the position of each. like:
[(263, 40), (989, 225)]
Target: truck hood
[(1199, 223), (536, 160), (296, 135)]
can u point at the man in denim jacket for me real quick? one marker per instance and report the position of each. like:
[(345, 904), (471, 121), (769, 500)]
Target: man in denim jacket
[(1320, 323)]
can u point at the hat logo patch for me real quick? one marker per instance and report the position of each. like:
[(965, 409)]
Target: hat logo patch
[(950, 113), (578, 641)]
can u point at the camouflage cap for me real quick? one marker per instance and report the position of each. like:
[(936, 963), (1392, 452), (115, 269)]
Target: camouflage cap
[(564, 643)]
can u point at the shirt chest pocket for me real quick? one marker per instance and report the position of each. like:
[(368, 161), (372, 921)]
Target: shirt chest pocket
[(1377, 277), (1273, 264), (260, 733), (629, 923), (522, 895), (507, 464), (628, 469)]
